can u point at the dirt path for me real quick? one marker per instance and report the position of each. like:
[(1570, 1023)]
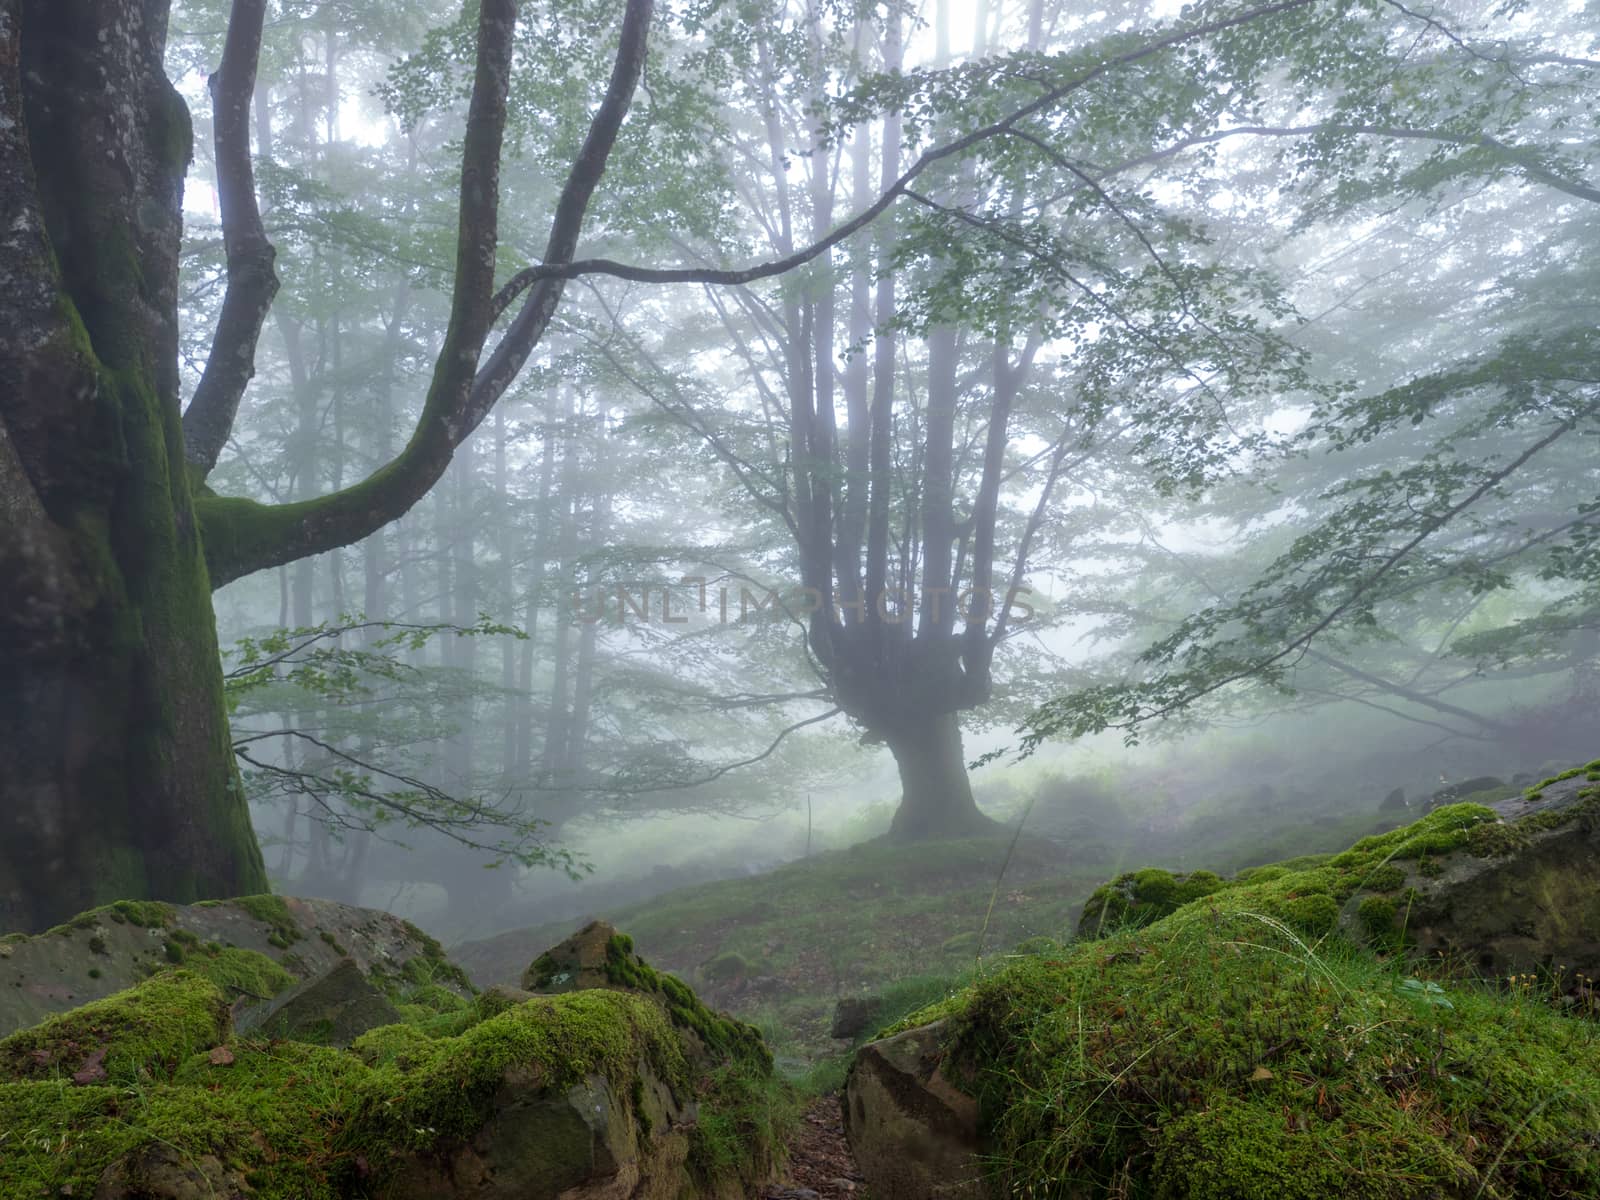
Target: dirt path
[(821, 1166)]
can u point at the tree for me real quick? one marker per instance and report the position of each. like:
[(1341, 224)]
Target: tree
[(113, 737), (1440, 480)]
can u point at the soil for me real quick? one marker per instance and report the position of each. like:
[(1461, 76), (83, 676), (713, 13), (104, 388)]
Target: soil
[(821, 1166)]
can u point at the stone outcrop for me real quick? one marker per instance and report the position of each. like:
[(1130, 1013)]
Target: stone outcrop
[(158, 1172), (331, 1009), (913, 1131), (109, 949), (1092, 1077), (587, 1142), (1523, 895), (189, 1085)]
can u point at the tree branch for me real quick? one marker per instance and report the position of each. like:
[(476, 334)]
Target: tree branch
[(555, 269), (252, 283), (242, 536), (1519, 157)]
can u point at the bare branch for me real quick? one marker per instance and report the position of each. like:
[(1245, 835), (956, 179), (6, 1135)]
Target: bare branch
[(252, 283)]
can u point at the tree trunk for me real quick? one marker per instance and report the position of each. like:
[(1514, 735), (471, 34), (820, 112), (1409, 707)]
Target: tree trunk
[(935, 793), (117, 775)]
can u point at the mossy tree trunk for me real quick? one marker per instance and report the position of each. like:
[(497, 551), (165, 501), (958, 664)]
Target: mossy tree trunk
[(117, 776)]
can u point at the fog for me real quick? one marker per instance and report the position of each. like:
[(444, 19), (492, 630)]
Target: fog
[(1261, 407)]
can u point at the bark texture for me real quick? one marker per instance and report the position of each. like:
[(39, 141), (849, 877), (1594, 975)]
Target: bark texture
[(117, 775)]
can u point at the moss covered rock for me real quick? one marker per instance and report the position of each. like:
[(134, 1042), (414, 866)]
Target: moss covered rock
[(597, 956), (1253, 1044), (138, 1035), (332, 1009), (1490, 889), (1140, 897), (252, 947), (601, 1092)]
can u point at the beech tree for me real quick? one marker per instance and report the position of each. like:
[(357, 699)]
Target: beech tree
[(114, 748)]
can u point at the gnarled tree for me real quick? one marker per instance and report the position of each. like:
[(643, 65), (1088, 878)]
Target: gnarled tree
[(118, 776)]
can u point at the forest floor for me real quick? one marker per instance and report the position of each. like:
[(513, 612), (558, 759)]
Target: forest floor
[(820, 1165), (779, 950)]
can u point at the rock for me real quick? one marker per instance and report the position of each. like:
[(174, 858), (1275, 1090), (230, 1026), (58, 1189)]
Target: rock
[(586, 1143), (577, 963), (1140, 897), (1454, 793), (333, 1009), (501, 997), (629, 1091), (597, 956), (914, 1133), (1524, 895), (853, 1014), (122, 1040), (159, 1172), (113, 948), (1395, 801)]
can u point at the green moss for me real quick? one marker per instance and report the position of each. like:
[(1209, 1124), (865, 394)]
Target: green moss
[(684, 1009), (145, 1031), (1140, 897), (1210, 1055), (147, 914), (1386, 878), (437, 999), (1377, 917), (451, 1088), (742, 1133), (1316, 914), (332, 942), (1237, 1150), (310, 1123), (240, 972), (393, 1044), (272, 912)]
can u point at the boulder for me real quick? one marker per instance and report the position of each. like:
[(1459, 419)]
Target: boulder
[(853, 1015), (577, 963), (1395, 801), (1140, 897), (630, 1090), (1522, 896), (253, 947), (1226, 1050), (913, 1131), (583, 1143), (332, 1009), (1474, 788), (159, 1172)]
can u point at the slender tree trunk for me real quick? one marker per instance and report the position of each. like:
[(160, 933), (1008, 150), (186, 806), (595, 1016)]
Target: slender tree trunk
[(935, 792)]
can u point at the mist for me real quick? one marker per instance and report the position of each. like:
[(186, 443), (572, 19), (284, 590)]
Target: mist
[(839, 495)]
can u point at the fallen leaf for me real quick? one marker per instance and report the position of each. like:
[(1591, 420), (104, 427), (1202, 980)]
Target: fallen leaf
[(93, 1069), (1259, 1074)]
